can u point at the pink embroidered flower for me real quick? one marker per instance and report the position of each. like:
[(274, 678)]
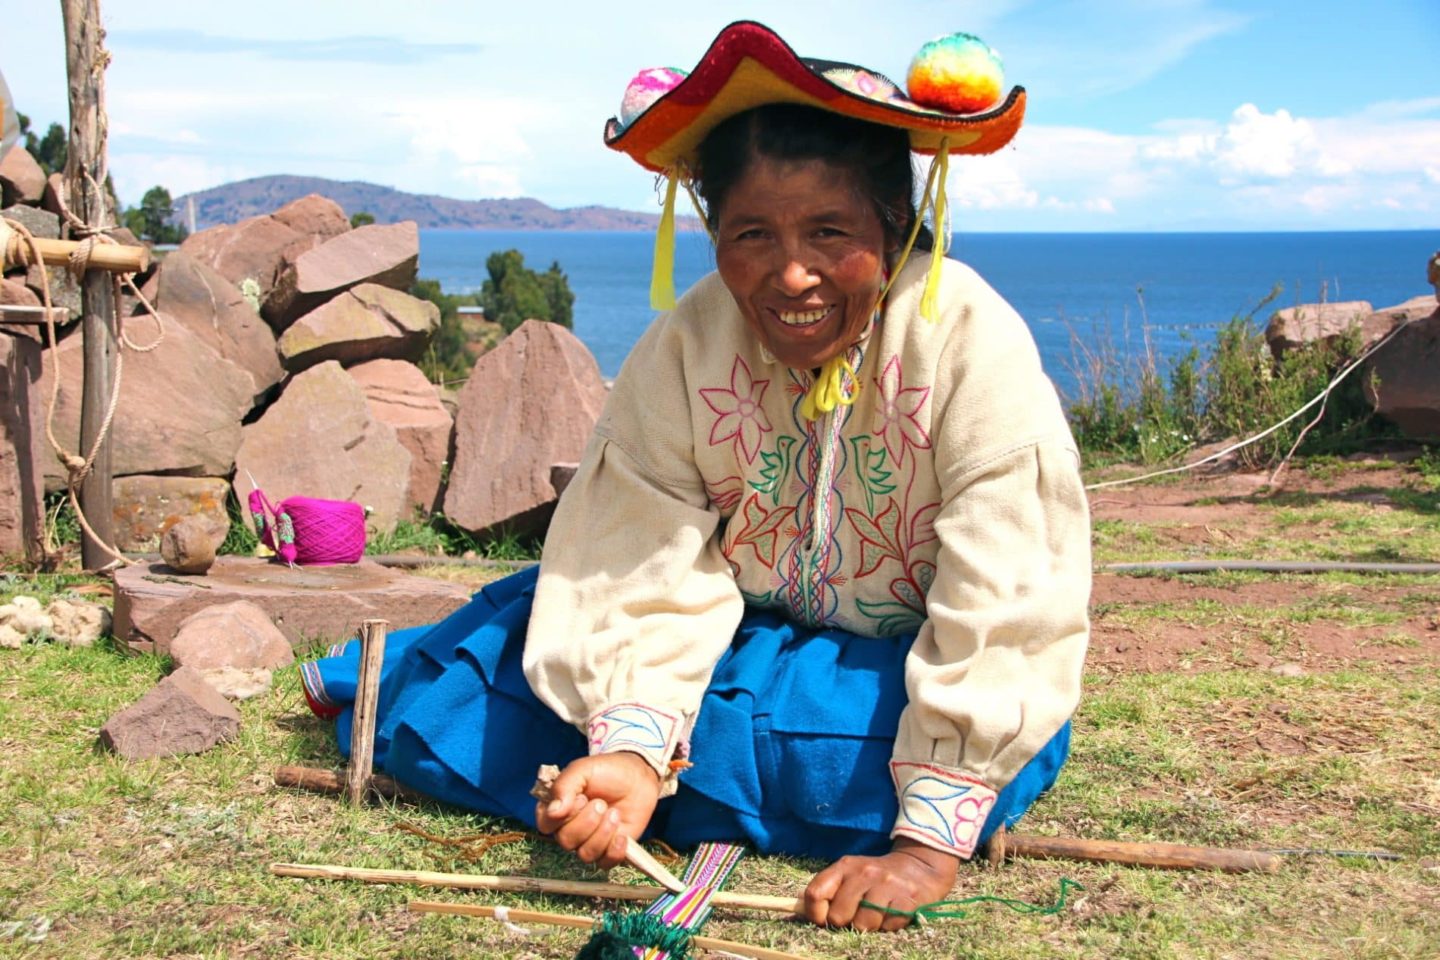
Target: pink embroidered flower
[(739, 412), (896, 412)]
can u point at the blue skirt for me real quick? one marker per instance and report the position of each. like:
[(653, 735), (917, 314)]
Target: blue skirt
[(791, 748)]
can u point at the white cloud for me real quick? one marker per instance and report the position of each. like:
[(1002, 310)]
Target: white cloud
[(1276, 145)]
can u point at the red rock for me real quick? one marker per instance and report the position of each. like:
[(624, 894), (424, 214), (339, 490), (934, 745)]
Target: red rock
[(237, 634), (315, 216), (553, 395), (249, 250), (21, 179), (321, 440), (22, 447), (399, 394), (180, 714), (310, 605), (13, 293), (179, 411), (211, 307), (146, 506), (366, 322), (40, 223), (1401, 379), (190, 544), (1293, 327), (64, 291), (56, 195), (386, 255)]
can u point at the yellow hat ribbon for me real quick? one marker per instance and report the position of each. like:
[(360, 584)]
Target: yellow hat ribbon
[(662, 275), (942, 234)]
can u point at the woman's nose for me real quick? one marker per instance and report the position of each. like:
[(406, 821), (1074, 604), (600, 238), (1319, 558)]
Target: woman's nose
[(794, 277)]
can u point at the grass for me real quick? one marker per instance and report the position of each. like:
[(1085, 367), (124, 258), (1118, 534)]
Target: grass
[(169, 858)]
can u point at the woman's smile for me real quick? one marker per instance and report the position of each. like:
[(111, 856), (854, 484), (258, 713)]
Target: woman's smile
[(803, 253)]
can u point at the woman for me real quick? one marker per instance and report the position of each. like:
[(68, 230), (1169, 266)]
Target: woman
[(825, 557)]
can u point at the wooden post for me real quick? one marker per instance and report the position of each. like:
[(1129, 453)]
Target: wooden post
[(367, 695), (85, 179)]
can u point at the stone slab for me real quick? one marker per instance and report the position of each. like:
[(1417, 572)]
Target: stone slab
[(312, 606)]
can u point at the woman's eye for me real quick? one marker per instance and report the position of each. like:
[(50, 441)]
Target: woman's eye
[(754, 233), (829, 232)]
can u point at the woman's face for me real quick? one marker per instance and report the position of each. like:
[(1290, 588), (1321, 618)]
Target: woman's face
[(803, 253)]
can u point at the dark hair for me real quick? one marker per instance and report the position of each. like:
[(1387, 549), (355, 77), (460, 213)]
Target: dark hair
[(878, 157)]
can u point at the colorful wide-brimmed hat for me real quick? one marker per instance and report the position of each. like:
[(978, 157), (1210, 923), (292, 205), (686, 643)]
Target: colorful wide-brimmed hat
[(953, 102)]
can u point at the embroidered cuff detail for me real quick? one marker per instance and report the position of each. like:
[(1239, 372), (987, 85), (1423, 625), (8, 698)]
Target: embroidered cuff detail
[(940, 807), (652, 733)]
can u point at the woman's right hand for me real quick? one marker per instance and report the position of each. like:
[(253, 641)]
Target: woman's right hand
[(597, 802)]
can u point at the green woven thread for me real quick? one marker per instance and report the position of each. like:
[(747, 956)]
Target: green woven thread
[(618, 934), (954, 909)]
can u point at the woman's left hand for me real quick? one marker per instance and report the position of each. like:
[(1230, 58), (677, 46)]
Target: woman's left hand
[(910, 875)]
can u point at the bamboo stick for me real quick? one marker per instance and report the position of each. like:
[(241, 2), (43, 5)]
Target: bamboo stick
[(565, 920), (571, 888), (111, 257), (367, 698)]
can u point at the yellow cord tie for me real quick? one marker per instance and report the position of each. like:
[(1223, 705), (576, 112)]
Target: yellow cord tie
[(942, 235), (828, 391), (662, 277)]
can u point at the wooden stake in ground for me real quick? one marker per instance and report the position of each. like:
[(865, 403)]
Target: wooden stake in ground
[(85, 179), (367, 696)]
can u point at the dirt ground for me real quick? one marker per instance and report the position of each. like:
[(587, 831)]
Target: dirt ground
[(1229, 624)]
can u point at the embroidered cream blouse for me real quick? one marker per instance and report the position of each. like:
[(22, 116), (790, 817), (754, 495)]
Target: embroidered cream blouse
[(951, 488)]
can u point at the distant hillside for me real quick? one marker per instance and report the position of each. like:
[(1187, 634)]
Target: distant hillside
[(233, 202)]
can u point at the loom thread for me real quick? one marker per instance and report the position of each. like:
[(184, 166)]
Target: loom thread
[(619, 934), (954, 909)]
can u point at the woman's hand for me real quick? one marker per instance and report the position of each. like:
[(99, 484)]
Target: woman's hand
[(910, 875), (597, 802)]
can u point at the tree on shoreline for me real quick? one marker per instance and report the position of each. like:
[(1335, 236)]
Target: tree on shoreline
[(514, 293)]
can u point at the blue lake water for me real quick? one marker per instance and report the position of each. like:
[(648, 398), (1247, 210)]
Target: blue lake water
[(1105, 292)]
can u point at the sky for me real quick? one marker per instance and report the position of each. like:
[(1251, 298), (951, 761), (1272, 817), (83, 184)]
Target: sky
[(1143, 115)]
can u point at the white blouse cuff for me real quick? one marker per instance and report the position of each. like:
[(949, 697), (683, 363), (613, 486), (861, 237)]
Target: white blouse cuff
[(940, 806), (650, 732)]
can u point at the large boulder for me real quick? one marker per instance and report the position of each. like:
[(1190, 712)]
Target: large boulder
[(530, 403), (145, 507), (399, 395), (1293, 327), (22, 447), (251, 250), (211, 307), (22, 180), (40, 223), (367, 322), (387, 255), (321, 440), (314, 216), (179, 411), (235, 634), (1402, 381), (14, 293)]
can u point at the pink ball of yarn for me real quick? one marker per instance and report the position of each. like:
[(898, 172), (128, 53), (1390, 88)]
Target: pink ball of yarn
[(326, 531), (647, 87)]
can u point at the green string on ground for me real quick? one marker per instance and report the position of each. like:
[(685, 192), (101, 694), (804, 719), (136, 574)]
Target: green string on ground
[(954, 909)]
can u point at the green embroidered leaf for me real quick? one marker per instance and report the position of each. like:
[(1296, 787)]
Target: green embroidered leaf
[(870, 468), (758, 599), (776, 468), (890, 618)]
